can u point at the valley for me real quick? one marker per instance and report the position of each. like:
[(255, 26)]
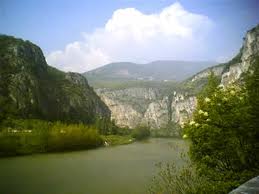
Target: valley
[(162, 105), (151, 126)]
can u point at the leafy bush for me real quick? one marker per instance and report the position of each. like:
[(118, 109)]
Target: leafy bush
[(223, 145), (72, 137), (19, 137), (172, 129), (117, 139), (174, 180), (141, 132), (223, 135)]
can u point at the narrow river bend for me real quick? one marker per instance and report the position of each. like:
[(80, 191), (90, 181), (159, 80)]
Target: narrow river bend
[(126, 169)]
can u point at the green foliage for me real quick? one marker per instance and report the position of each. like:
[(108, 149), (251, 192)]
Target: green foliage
[(252, 85), (124, 84), (18, 137), (29, 88), (141, 132), (123, 131), (173, 178), (210, 87), (118, 139), (234, 60), (172, 129), (223, 135), (195, 87), (72, 137), (5, 106), (103, 125), (223, 146), (27, 136), (107, 127), (184, 180)]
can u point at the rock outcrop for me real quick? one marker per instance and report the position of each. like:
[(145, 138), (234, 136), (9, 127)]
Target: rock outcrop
[(133, 106), (29, 88), (243, 60), (217, 70), (249, 187), (148, 106)]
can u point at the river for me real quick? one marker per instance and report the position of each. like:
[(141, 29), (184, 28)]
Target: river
[(126, 169)]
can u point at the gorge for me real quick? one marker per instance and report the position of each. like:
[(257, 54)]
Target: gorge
[(39, 98), (29, 84), (129, 97), (160, 104)]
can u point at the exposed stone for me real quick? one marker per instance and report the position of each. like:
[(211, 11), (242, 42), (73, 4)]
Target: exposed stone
[(249, 187), (158, 111), (123, 114), (217, 70), (182, 108), (249, 50), (35, 90), (134, 106)]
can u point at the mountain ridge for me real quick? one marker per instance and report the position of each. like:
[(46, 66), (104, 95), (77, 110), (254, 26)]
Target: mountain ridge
[(149, 105), (32, 89), (176, 70)]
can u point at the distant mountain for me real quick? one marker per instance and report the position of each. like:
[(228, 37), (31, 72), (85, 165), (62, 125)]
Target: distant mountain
[(164, 105), (157, 70), (29, 88)]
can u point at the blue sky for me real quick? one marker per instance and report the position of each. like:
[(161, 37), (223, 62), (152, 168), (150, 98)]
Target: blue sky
[(73, 34)]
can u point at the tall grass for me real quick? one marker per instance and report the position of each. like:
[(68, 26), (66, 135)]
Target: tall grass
[(18, 137)]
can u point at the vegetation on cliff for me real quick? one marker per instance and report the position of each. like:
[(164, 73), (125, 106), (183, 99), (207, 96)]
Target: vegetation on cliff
[(223, 135), (223, 145), (43, 109), (30, 89)]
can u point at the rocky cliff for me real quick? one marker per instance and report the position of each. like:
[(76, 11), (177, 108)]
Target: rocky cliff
[(29, 88), (233, 70), (151, 106), (240, 64), (147, 106)]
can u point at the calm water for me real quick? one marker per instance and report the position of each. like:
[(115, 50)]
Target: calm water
[(126, 169)]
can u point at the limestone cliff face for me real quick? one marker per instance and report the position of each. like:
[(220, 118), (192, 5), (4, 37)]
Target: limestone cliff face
[(248, 51), (182, 108), (157, 114), (217, 70), (148, 106), (233, 70), (122, 113), (133, 106)]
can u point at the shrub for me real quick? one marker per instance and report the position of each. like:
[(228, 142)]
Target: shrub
[(72, 137), (29, 136), (141, 132), (223, 145)]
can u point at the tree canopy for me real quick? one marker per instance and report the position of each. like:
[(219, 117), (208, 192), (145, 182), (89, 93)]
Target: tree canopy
[(224, 132)]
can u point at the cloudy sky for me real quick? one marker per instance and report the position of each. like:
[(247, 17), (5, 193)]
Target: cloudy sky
[(81, 35)]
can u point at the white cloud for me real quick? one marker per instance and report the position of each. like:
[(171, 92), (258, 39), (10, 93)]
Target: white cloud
[(130, 35), (77, 56)]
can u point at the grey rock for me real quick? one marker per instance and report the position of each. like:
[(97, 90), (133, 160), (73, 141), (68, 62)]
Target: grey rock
[(249, 187)]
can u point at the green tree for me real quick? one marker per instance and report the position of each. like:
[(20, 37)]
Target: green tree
[(141, 132), (5, 101), (210, 87), (252, 86), (222, 144)]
